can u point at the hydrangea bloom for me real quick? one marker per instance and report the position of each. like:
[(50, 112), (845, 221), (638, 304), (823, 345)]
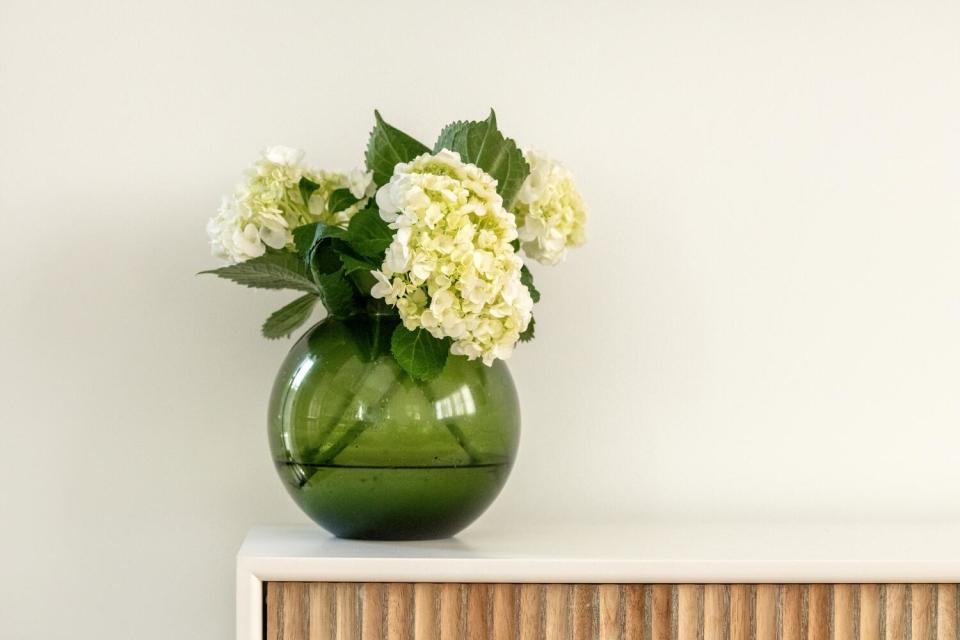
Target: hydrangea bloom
[(451, 268), (359, 182), (551, 214), (265, 208)]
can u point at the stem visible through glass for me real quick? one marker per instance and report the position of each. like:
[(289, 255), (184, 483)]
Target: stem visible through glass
[(359, 426), (451, 426), (371, 336)]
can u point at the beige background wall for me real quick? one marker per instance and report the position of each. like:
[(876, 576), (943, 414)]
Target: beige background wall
[(765, 324)]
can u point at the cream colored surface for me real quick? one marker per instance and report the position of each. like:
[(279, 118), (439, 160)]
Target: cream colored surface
[(763, 326), (526, 553)]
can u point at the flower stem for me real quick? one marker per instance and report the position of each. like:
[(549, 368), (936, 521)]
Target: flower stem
[(376, 382), (458, 435), (351, 434), (452, 426), (356, 429)]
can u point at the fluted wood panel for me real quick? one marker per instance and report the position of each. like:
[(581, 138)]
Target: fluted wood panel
[(423, 611)]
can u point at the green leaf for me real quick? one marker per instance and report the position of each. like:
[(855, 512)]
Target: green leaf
[(323, 260), (527, 334), (449, 136), (371, 333), (369, 235), (352, 262), (308, 236), (526, 279), (418, 353), (307, 187), (313, 244), (482, 144), (273, 270), (359, 270), (341, 199), (388, 146), (287, 319), (336, 291)]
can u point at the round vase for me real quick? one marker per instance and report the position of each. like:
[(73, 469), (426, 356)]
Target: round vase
[(368, 452)]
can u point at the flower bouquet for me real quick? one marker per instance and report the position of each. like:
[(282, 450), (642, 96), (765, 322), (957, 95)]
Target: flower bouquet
[(395, 416)]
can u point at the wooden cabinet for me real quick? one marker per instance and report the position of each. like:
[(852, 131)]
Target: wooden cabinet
[(454, 611), (574, 582)]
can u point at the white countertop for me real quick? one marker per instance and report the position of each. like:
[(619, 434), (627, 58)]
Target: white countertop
[(634, 553)]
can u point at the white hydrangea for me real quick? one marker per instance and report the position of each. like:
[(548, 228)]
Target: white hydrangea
[(237, 233), (359, 182), (551, 214), (451, 268), (256, 215), (267, 206)]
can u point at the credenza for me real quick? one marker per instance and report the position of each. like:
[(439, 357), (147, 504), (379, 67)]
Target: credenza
[(562, 581)]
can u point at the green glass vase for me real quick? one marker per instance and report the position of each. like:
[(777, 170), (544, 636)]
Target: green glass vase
[(368, 452)]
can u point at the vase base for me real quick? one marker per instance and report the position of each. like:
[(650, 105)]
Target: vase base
[(393, 503)]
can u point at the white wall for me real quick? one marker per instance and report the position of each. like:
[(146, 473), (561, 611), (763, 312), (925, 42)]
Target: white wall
[(765, 324)]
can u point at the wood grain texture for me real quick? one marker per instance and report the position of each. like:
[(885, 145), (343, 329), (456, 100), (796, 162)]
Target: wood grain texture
[(634, 612), (348, 612), (478, 620), (870, 612), (426, 625), (791, 610), (922, 611), (322, 612), (609, 599), (371, 611), (895, 606), (661, 614), (947, 611), (274, 608), (844, 610), (293, 620), (584, 611), (556, 612), (689, 608), (451, 612), (714, 612), (766, 611), (505, 609), (819, 615), (531, 611), (740, 603), (422, 611), (399, 611)]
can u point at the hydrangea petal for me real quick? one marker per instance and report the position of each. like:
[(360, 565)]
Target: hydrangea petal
[(452, 255)]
